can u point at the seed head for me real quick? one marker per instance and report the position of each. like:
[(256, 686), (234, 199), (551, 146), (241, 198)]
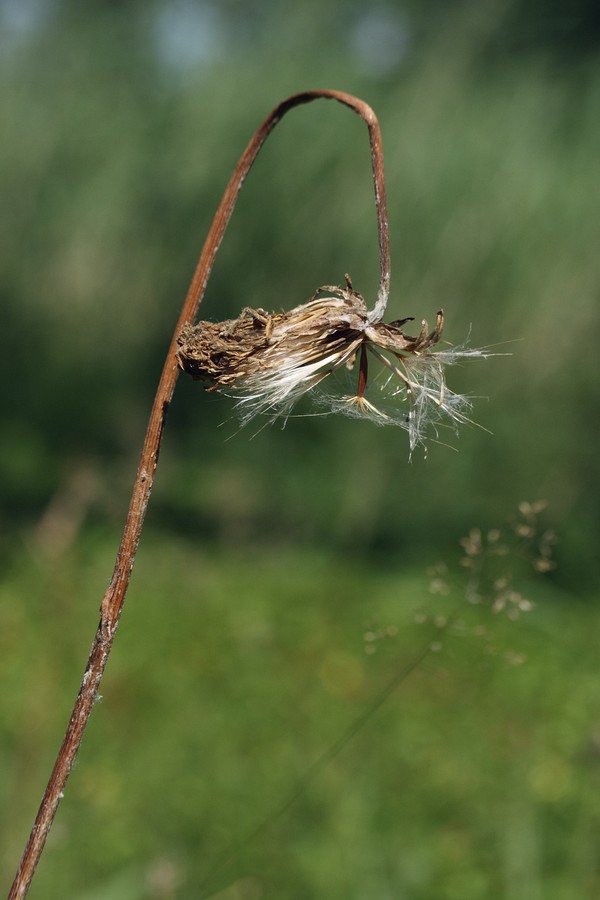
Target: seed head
[(267, 361)]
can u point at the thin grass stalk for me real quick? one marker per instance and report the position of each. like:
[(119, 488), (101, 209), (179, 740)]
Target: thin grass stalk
[(112, 602)]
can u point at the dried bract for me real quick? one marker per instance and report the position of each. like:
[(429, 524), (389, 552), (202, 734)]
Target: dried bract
[(269, 360)]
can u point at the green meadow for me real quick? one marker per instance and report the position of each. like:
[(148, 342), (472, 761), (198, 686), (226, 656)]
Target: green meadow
[(316, 691), (301, 724)]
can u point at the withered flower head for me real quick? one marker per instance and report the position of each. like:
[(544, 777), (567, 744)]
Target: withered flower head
[(269, 360)]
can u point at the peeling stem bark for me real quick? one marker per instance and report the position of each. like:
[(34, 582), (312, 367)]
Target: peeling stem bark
[(112, 602)]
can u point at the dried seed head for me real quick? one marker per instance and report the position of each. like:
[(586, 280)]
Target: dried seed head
[(269, 360)]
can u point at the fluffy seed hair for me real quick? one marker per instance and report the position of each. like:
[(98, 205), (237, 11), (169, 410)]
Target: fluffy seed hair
[(269, 360)]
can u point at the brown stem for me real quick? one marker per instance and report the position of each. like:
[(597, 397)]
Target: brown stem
[(363, 372), (114, 597)]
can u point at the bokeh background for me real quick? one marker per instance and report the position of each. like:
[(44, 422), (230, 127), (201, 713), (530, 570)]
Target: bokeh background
[(284, 577)]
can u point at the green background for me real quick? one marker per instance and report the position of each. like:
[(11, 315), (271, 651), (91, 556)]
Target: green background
[(267, 558)]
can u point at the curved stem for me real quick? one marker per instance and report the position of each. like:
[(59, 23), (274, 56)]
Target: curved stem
[(114, 597)]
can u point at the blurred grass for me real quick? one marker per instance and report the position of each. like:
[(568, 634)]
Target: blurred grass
[(233, 673), (108, 187), (241, 656)]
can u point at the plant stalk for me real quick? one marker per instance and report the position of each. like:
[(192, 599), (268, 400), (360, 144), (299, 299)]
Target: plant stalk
[(112, 602)]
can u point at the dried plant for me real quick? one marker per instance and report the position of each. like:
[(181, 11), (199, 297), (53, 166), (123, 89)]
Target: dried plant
[(267, 361)]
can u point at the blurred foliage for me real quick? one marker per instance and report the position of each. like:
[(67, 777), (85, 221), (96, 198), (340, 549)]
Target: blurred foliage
[(123, 123), (476, 778), (268, 557)]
